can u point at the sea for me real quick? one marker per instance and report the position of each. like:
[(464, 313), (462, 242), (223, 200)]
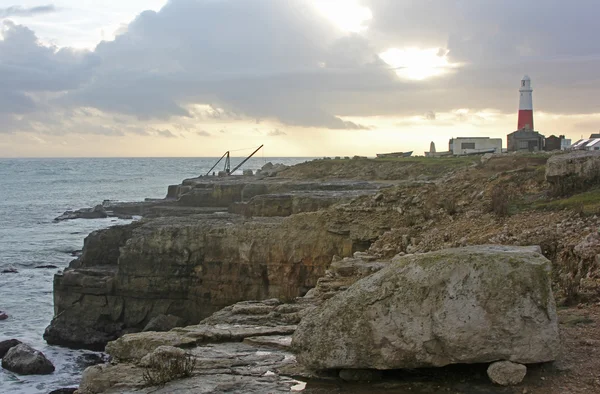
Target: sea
[(35, 191)]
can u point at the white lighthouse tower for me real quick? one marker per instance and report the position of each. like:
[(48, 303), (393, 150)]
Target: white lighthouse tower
[(525, 105)]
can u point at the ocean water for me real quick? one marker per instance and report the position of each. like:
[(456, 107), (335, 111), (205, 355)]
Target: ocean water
[(35, 191)]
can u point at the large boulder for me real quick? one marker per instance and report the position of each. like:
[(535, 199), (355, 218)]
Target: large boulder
[(25, 360), (467, 305), (573, 171)]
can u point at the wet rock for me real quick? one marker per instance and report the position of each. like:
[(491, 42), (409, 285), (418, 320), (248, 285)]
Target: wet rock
[(65, 390), (6, 345), (163, 323), (89, 359), (467, 305), (10, 270), (46, 266), (3, 316), (506, 373), (25, 360), (97, 212)]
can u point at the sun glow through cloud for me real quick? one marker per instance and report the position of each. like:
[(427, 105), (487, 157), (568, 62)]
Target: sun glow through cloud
[(418, 64), (347, 15)]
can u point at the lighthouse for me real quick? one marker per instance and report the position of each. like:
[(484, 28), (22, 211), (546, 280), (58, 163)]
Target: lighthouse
[(525, 105)]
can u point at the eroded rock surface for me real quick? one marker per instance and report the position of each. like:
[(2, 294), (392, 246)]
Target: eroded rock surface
[(186, 267), (466, 305), (573, 171)]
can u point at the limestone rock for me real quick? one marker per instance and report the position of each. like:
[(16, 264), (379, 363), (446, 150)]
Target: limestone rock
[(189, 267), (163, 323), (6, 345), (135, 346), (25, 360), (573, 171), (220, 368), (467, 305), (162, 353), (97, 212), (506, 373)]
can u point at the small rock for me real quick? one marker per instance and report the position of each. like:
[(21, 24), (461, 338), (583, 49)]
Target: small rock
[(6, 345), (65, 390), (9, 271), (3, 316), (47, 266), (25, 360), (506, 373), (360, 375)]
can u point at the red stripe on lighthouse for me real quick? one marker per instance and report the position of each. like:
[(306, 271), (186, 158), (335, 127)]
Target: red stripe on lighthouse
[(525, 119)]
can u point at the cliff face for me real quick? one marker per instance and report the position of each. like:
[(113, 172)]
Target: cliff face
[(188, 267)]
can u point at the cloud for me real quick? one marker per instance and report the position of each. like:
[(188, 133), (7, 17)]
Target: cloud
[(220, 62), (28, 69), (275, 133), (227, 57), (430, 115), (21, 11), (164, 133)]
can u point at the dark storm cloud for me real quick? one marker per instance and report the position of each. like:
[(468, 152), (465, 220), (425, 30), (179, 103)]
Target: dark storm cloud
[(272, 59), (17, 10), (27, 68), (257, 59)]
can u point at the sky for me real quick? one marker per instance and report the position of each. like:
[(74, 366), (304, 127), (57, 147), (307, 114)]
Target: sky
[(306, 78)]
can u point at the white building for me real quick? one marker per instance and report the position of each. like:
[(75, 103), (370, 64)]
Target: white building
[(565, 144), (587, 144), (474, 145)]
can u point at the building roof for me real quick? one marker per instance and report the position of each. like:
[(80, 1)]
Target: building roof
[(594, 142), (526, 78), (526, 133)]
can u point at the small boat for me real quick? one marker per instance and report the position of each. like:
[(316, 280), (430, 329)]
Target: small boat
[(395, 154)]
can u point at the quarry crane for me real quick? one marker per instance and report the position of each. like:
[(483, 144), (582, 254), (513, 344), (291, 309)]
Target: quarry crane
[(227, 168)]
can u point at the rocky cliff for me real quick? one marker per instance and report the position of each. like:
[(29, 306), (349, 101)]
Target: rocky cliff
[(290, 235), (188, 267)]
